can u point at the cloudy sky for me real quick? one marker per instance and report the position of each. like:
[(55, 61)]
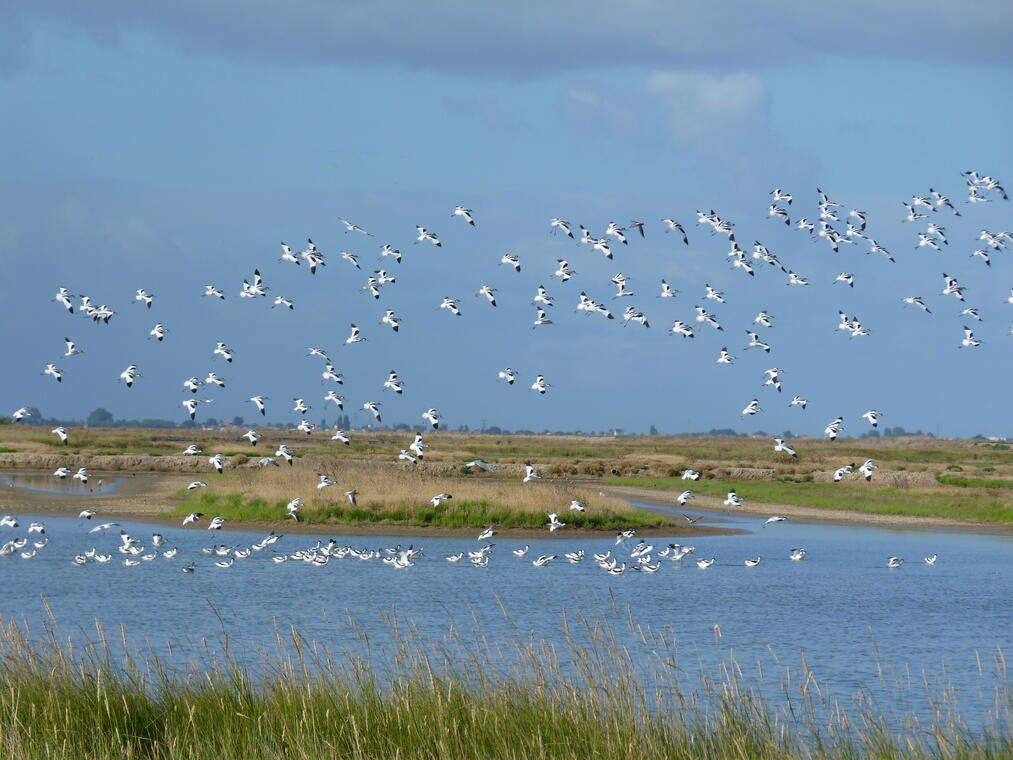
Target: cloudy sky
[(168, 146)]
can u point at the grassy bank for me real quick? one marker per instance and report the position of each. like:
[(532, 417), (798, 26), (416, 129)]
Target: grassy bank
[(963, 502), (392, 495), (575, 701), (566, 455)]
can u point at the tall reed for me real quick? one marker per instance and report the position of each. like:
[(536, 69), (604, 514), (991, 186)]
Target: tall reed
[(462, 697)]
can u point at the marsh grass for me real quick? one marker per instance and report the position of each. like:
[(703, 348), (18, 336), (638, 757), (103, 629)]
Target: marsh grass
[(573, 455), (985, 506), (465, 696), (393, 495)]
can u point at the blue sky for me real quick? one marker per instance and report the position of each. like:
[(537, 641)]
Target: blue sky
[(166, 148)]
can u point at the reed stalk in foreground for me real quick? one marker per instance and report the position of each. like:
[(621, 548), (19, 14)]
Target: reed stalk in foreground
[(455, 698)]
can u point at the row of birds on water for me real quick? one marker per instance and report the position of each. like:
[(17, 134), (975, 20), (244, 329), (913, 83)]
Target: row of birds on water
[(981, 188), (642, 557)]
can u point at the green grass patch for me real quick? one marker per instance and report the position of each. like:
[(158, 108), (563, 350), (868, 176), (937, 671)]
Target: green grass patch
[(450, 514), (450, 701), (857, 497), (959, 480)]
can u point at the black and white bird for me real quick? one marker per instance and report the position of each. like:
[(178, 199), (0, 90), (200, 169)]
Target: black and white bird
[(349, 227), (129, 375), (781, 446), (224, 351), (560, 224), (673, 226), (373, 407), (489, 292), (427, 236), (873, 417), (464, 213), (258, 402)]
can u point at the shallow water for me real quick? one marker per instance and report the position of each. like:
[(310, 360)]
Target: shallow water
[(861, 627), (48, 483)]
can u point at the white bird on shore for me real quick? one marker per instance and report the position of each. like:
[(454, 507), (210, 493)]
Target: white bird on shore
[(554, 523), (216, 523), (733, 500), (196, 484)]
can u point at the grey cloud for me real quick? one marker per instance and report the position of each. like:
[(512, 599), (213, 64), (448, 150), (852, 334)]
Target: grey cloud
[(538, 37)]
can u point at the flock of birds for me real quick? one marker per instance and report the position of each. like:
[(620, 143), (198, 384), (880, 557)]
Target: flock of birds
[(832, 226), (641, 557)]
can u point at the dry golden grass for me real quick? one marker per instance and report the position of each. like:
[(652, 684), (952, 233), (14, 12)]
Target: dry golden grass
[(391, 493)]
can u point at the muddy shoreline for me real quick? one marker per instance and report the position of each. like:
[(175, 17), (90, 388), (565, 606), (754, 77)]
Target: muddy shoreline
[(146, 497)]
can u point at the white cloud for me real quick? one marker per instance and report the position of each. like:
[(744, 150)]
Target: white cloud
[(703, 104)]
